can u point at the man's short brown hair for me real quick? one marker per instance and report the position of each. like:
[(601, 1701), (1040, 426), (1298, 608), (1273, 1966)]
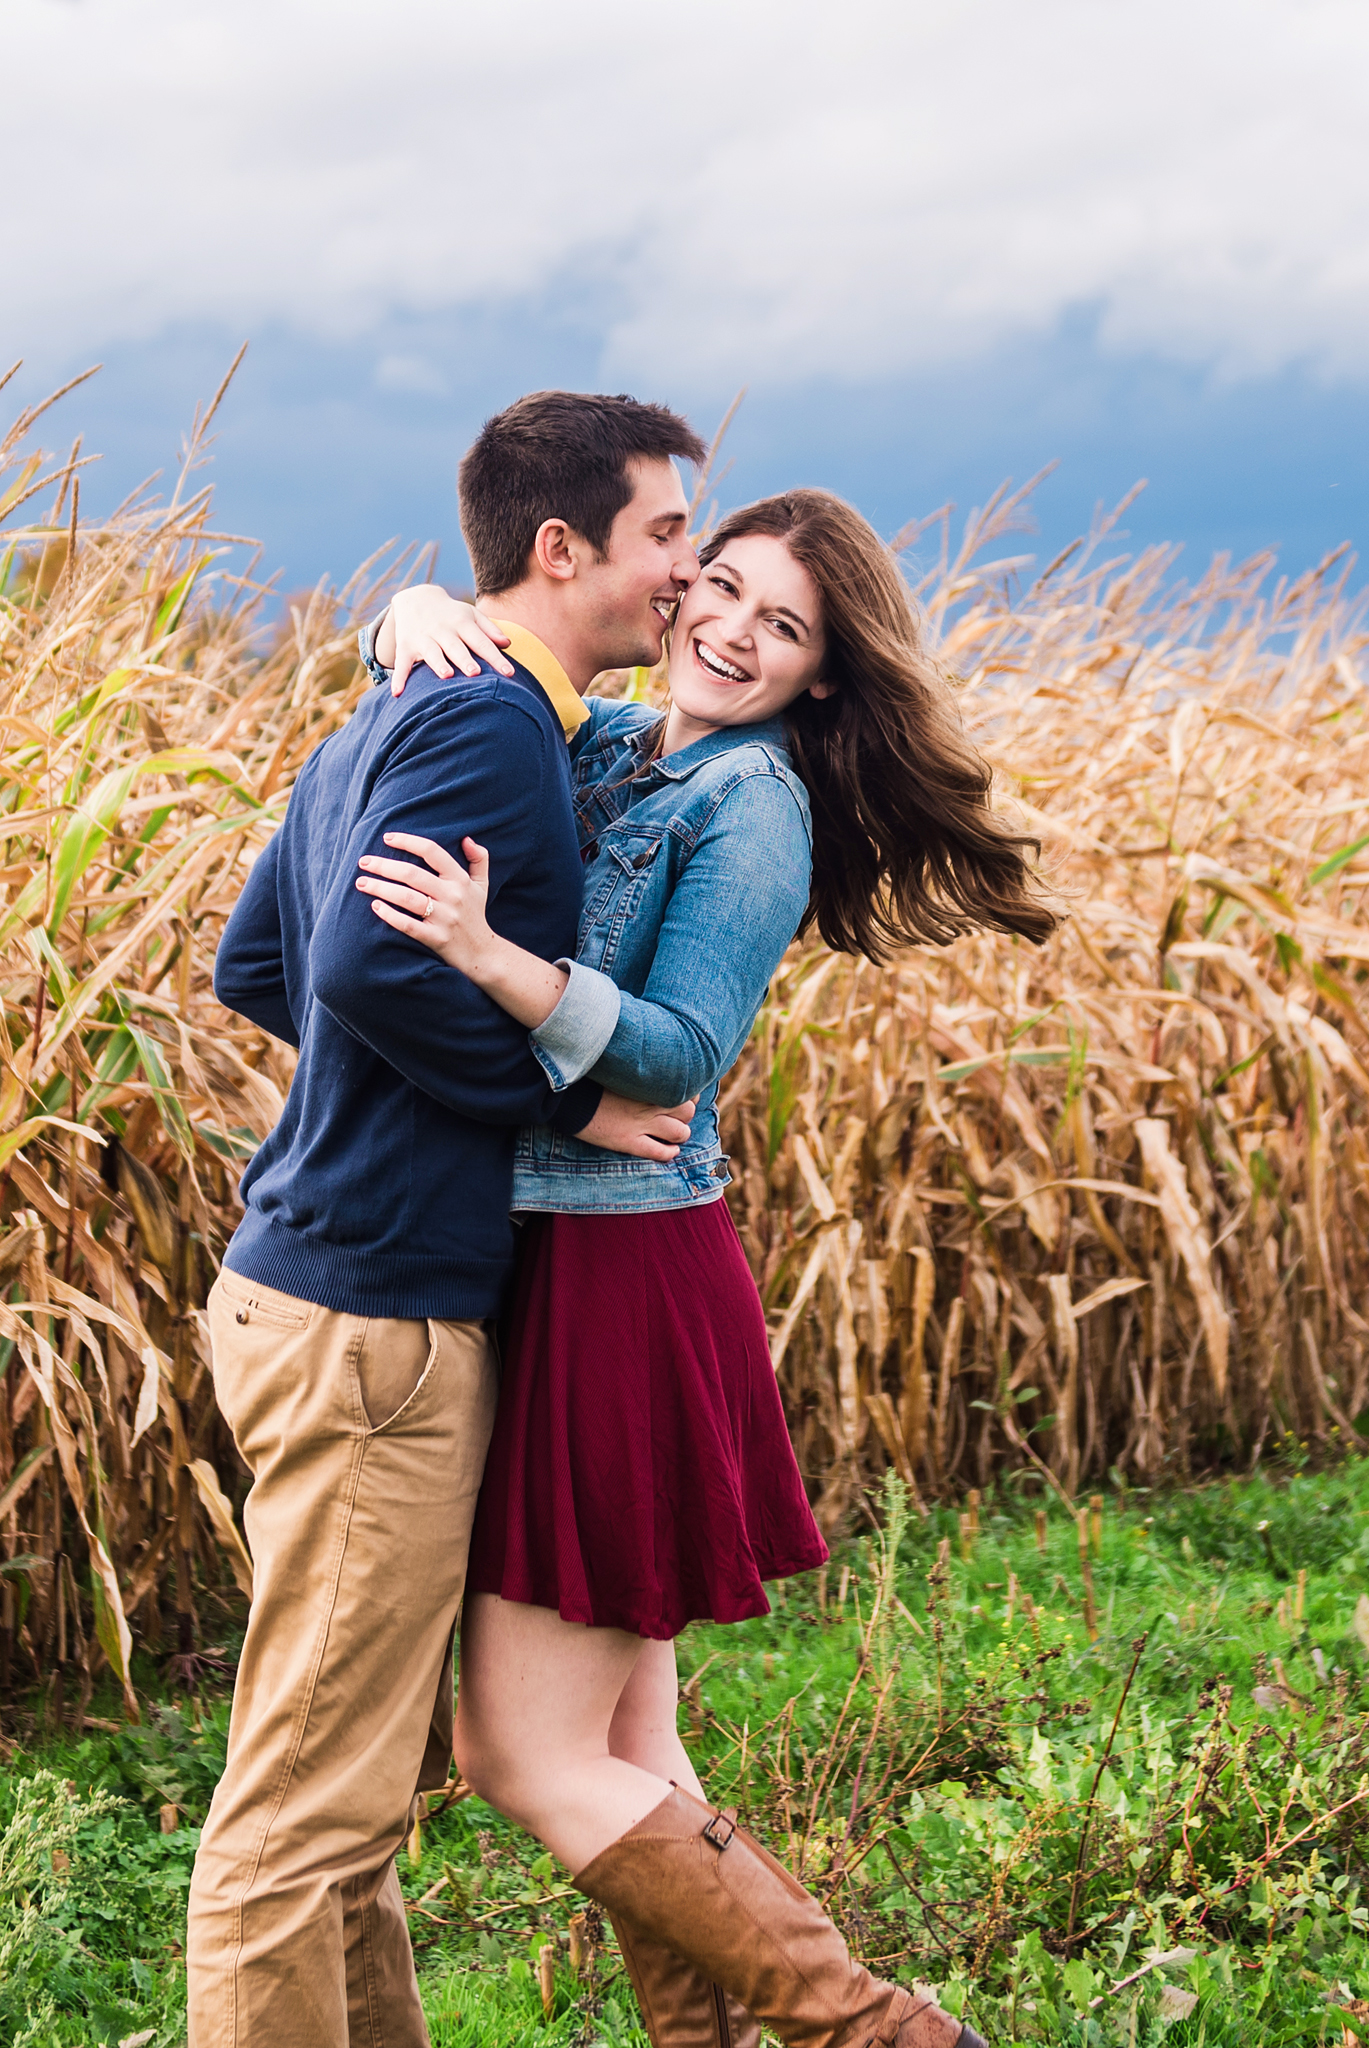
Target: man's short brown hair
[(557, 455)]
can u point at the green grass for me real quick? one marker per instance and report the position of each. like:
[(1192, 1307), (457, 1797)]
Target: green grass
[(932, 1764)]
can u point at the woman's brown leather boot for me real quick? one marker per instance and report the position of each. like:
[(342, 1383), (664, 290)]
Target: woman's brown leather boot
[(680, 2007), (696, 1882)]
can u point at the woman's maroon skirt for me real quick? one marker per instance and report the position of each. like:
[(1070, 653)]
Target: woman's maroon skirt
[(640, 1475)]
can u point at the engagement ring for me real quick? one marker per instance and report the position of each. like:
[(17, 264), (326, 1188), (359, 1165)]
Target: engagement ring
[(429, 911)]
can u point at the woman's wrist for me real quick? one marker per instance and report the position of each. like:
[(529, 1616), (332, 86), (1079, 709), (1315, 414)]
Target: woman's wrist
[(528, 987)]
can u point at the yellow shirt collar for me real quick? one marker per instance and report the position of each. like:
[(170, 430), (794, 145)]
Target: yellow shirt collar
[(528, 651)]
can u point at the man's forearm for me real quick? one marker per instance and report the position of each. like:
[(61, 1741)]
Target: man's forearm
[(249, 967), (441, 1032)]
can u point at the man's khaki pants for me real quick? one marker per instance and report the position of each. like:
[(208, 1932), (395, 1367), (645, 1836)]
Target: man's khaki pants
[(366, 1439)]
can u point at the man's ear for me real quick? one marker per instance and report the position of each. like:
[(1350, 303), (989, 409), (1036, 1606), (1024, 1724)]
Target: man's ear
[(551, 550)]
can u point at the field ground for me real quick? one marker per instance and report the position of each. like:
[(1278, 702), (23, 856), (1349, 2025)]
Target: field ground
[(929, 1728)]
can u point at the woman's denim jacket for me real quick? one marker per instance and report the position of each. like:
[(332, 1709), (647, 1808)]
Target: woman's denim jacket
[(696, 876)]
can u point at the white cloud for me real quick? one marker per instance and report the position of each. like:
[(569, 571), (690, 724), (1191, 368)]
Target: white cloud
[(740, 186), (410, 373)]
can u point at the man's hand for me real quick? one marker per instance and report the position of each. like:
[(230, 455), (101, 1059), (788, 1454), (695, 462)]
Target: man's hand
[(641, 1129)]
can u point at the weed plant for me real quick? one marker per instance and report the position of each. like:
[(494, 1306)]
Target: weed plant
[(1079, 1840)]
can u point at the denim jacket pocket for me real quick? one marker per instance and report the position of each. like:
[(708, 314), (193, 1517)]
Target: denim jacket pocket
[(626, 864), (635, 856)]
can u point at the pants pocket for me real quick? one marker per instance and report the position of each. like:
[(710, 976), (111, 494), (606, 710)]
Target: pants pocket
[(249, 1304), (255, 1335), (393, 1361)]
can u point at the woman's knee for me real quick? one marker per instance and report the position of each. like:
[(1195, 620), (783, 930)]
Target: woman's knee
[(643, 1729), (482, 1760), (517, 1777), (653, 1748)]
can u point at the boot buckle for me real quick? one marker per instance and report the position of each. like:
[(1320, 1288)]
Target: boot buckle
[(720, 1830)]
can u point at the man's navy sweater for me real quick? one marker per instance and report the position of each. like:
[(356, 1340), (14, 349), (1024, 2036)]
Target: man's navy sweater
[(384, 1189)]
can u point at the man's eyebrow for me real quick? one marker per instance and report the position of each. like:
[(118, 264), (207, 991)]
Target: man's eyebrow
[(786, 611)]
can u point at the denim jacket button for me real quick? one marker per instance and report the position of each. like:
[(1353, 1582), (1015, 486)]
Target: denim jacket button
[(720, 1170)]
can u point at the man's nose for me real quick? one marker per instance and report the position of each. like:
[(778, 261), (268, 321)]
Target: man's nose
[(686, 568)]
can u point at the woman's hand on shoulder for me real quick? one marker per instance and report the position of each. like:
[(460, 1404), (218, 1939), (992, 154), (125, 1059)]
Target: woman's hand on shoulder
[(426, 624)]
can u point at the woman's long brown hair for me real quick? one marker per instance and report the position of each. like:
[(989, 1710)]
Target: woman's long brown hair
[(906, 847)]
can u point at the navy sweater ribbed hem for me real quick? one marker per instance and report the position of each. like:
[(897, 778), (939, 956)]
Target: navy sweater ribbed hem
[(359, 1282)]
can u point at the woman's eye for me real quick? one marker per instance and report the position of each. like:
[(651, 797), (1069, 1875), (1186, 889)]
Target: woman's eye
[(722, 583)]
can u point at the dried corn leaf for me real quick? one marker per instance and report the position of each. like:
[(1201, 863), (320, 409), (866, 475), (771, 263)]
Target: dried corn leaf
[(221, 1515)]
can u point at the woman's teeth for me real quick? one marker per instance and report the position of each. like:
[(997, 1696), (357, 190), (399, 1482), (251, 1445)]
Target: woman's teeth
[(716, 666)]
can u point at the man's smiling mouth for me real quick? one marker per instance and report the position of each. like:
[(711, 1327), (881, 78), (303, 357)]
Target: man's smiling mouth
[(713, 664)]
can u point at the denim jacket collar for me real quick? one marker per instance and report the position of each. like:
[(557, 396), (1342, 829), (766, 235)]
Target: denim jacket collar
[(680, 766)]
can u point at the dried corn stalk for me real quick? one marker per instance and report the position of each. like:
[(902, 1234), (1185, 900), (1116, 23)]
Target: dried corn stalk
[(148, 747), (1134, 1160), (1098, 1205)]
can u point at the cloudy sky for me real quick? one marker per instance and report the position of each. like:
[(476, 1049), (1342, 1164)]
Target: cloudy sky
[(940, 241)]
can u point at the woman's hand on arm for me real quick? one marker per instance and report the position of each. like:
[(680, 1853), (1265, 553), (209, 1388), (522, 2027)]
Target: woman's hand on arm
[(442, 905), (426, 624)]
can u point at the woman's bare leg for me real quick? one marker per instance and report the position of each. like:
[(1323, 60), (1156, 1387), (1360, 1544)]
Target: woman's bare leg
[(678, 2001), (644, 1729), (537, 1699)]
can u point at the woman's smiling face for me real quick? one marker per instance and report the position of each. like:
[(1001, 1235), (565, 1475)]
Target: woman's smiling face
[(747, 640)]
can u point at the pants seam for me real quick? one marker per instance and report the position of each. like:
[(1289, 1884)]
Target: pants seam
[(369, 1974), (301, 1719)]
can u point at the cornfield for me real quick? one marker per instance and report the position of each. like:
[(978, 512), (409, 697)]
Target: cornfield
[(1039, 1214)]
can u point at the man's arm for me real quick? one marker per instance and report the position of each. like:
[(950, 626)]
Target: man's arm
[(474, 765), (249, 968)]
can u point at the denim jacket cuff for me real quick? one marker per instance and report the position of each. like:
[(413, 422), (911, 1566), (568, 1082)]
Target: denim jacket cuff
[(366, 648), (569, 1043)]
